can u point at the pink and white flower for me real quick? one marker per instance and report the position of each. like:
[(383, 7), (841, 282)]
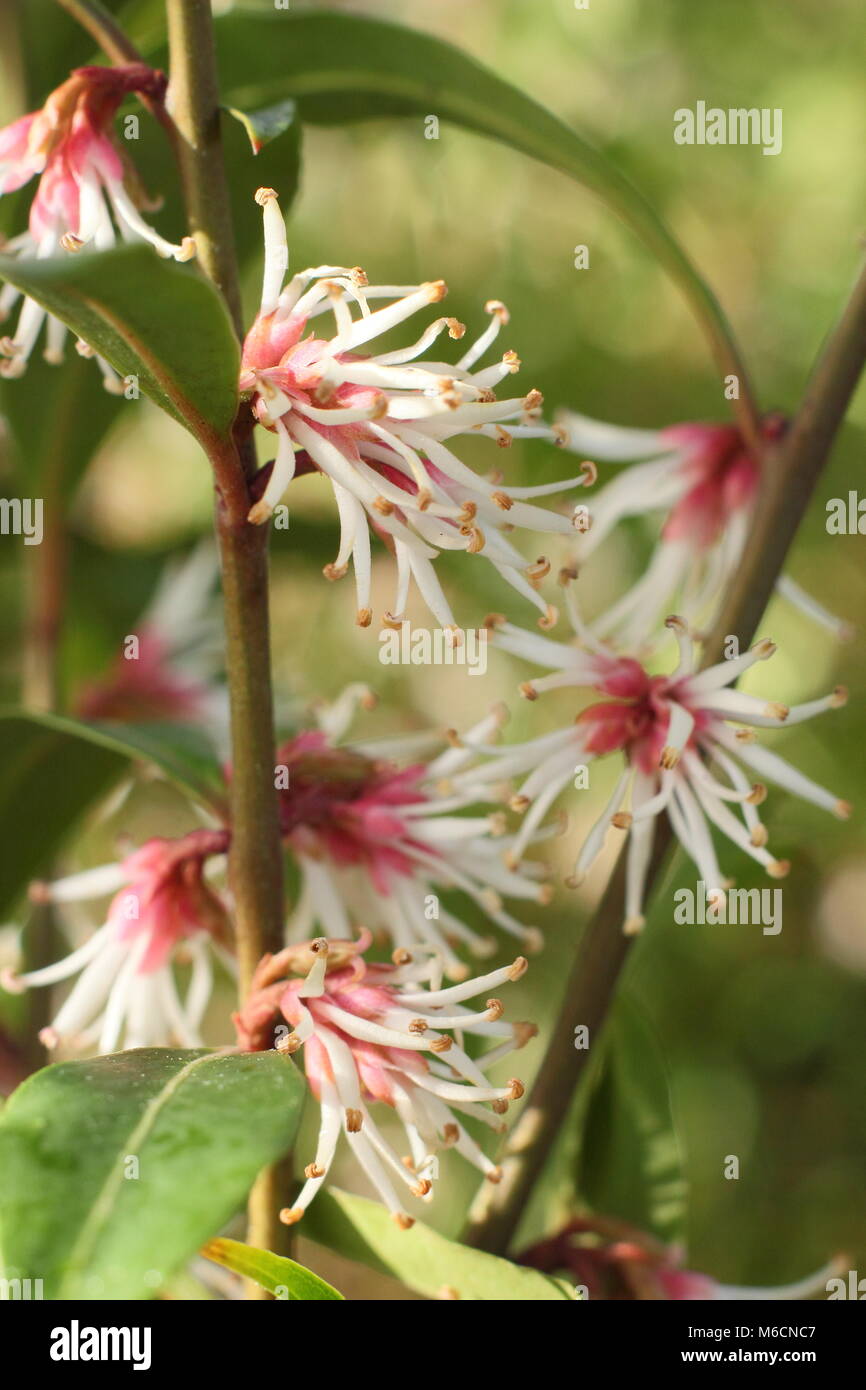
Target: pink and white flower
[(377, 843), (689, 1285), (668, 730), (162, 911), (85, 181), (377, 427), (389, 1033), (168, 674), (617, 1262), (704, 482)]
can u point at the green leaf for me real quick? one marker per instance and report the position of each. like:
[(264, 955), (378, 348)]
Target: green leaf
[(160, 322), (281, 1277), (183, 752), (344, 67), (48, 780), (420, 1258), (266, 124), (52, 769), (78, 1213), (630, 1162)]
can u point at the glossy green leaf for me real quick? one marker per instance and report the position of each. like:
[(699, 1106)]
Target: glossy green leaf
[(285, 1279), (420, 1258), (344, 67), (152, 319), (116, 1170), (52, 769), (630, 1164)]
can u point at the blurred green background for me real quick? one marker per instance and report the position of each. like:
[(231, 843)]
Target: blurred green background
[(764, 1036)]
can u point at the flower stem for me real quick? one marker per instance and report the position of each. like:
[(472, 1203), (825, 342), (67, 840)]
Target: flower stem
[(789, 476), (255, 860)]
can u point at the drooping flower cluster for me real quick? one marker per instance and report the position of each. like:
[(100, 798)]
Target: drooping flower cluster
[(377, 427), (704, 481), (162, 911), (669, 730), (85, 181), (389, 1033), (377, 843)]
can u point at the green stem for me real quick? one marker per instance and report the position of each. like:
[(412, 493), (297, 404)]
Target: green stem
[(255, 860), (789, 477), (195, 99)]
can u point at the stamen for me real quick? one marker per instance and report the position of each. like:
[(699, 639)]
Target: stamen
[(589, 471), (276, 249), (538, 571), (774, 710)]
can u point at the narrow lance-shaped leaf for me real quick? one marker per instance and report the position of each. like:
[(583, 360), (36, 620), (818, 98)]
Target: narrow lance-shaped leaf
[(420, 1258), (342, 67), (160, 323), (116, 1170), (284, 1278)]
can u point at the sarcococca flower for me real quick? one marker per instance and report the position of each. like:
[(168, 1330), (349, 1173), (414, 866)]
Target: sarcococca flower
[(386, 1033), (378, 841), (377, 425), (689, 747), (701, 481), (126, 993), (87, 192), (616, 1262)]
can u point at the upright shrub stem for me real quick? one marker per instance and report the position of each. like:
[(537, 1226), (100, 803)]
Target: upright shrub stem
[(255, 860)]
